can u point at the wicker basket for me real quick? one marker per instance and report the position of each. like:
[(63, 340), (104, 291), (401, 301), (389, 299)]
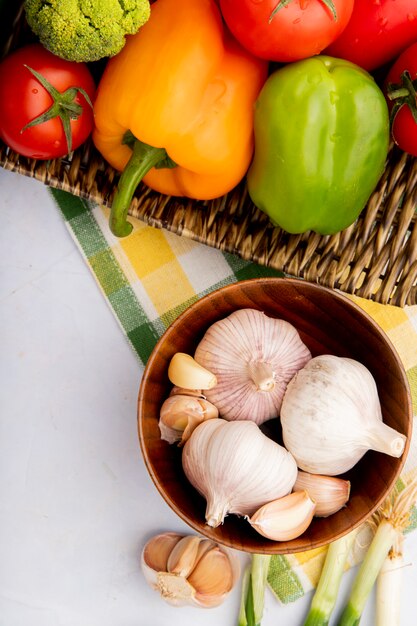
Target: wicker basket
[(375, 258)]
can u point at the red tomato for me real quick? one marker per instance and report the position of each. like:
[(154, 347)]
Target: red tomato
[(23, 98), (377, 32), (404, 126), (300, 29)]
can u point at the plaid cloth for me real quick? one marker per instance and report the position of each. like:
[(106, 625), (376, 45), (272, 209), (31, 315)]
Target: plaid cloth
[(150, 277)]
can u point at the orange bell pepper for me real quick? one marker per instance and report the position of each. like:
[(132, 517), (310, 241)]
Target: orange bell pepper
[(175, 107)]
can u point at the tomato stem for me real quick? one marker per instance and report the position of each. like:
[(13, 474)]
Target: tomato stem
[(403, 94), (283, 3), (63, 106)]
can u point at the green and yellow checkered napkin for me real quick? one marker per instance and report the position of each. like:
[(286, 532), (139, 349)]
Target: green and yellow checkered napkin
[(150, 277)]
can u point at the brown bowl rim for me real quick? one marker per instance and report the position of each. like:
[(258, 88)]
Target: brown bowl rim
[(200, 303)]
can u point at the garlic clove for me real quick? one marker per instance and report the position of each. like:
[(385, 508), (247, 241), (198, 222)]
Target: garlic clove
[(184, 371), (330, 493), (214, 576), (175, 589), (201, 572), (213, 573), (285, 518), (205, 546), (197, 393), (181, 414), (182, 558), (158, 549)]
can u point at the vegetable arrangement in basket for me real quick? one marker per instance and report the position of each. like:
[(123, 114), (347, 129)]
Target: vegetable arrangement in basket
[(191, 110)]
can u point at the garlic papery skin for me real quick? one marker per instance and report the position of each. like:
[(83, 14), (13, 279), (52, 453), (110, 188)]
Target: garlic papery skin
[(184, 371), (189, 569), (236, 468), (331, 415), (285, 518), (253, 357), (181, 414), (328, 492), (180, 391)]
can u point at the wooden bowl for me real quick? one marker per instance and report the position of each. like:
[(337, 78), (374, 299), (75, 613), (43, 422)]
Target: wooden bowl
[(328, 322)]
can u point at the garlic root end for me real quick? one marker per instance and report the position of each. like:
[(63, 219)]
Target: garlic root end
[(387, 440)]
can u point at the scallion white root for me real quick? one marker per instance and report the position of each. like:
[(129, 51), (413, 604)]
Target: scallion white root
[(390, 520), (325, 596), (388, 587)]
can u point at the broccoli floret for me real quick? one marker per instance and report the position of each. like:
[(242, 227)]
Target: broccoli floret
[(85, 30)]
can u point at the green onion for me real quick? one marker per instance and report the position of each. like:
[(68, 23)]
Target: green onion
[(325, 595), (388, 587), (390, 520), (253, 591)]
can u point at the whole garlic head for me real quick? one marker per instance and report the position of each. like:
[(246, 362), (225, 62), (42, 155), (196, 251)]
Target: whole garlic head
[(236, 468), (253, 357), (331, 416), (188, 569)]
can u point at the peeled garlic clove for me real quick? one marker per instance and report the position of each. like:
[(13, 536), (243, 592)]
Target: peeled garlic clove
[(253, 357), (180, 414), (184, 371), (328, 492), (286, 518), (331, 416), (236, 468), (183, 556)]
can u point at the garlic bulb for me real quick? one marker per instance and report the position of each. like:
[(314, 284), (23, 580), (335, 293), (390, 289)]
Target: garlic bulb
[(189, 569), (331, 415), (253, 357), (236, 468), (180, 414), (285, 518), (328, 492)]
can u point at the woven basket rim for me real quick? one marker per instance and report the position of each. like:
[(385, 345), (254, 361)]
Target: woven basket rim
[(375, 258)]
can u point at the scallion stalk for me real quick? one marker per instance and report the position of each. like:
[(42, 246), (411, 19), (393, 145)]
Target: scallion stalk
[(243, 619), (325, 596), (259, 574), (253, 591), (388, 588), (391, 520)]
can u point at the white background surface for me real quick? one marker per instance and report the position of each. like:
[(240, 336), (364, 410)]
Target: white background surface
[(76, 502)]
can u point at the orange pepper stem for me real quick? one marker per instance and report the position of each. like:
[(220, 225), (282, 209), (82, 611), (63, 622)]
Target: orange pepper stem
[(144, 158)]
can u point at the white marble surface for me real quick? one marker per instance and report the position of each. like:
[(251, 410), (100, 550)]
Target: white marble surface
[(76, 502)]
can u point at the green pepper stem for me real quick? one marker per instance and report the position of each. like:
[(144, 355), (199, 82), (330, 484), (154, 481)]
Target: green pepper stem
[(143, 159)]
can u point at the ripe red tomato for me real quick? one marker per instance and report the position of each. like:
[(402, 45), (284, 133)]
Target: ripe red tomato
[(377, 32), (404, 125), (296, 30), (23, 98)]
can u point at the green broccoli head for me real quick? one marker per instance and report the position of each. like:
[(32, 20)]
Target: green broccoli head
[(85, 30)]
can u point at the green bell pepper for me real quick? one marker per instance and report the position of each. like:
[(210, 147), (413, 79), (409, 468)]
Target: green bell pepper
[(321, 142)]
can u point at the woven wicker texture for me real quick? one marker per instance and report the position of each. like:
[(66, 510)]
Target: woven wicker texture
[(375, 258)]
